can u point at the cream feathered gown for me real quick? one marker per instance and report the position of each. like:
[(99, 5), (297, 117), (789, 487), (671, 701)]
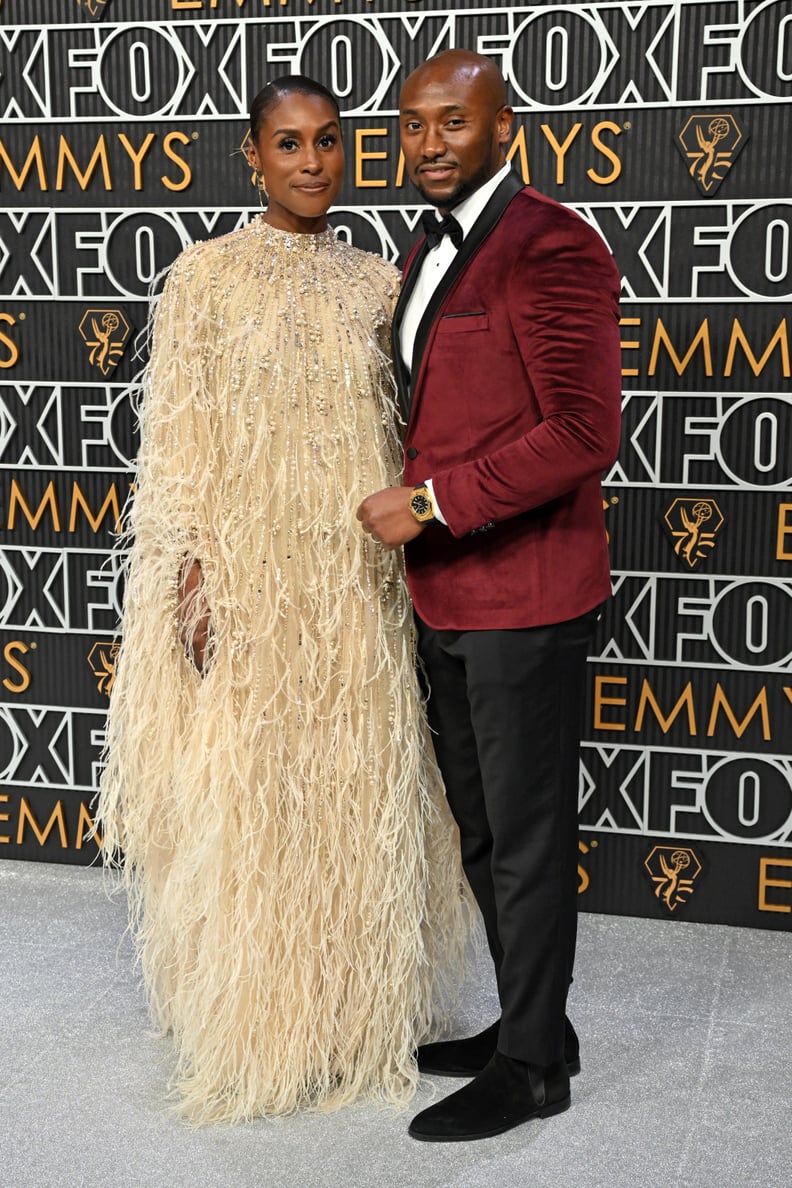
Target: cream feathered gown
[(293, 873)]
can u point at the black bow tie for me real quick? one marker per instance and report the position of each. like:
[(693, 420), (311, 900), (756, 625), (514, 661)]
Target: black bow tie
[(435, 230)]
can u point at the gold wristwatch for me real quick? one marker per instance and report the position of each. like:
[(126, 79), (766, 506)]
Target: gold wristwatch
[(421, 504)]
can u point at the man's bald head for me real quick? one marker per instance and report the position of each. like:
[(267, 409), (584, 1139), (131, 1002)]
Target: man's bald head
[(455, 124), (465, 68)]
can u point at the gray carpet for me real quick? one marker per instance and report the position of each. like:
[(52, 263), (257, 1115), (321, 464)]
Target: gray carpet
[(687, 1068)]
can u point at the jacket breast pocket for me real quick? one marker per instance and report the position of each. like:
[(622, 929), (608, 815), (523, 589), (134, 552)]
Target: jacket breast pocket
[(461, 323)]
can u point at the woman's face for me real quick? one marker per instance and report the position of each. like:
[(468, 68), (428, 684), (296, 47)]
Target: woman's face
[(298, 151)]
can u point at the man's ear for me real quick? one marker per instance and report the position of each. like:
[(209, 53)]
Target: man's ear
[(504, 123)]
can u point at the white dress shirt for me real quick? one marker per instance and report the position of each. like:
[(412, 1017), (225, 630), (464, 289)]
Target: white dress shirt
[(437, 262), (435, 265)]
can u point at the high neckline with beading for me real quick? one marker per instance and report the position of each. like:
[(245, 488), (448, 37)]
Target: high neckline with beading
[(294, 241)]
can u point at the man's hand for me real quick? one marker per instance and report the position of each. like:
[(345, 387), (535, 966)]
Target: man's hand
[(387, 518)]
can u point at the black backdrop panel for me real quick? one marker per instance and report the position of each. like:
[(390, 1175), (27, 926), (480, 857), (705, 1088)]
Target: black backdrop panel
[(665, 125)]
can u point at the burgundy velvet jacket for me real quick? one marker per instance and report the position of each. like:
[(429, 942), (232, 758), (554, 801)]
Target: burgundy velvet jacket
[(513, 410)]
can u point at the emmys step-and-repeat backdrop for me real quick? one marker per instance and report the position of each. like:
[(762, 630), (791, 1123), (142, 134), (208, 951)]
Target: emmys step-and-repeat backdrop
[(667, 126)]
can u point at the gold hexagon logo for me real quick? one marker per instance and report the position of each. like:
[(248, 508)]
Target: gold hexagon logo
[(102, 662), (710, 144), (105, 332), (673, 870), (693, 524), (94, 8)]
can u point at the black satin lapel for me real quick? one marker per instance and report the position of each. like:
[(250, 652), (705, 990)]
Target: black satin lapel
[(484, 225), (401, 372)]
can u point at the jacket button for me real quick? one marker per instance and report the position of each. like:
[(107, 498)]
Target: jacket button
[(412, 453)]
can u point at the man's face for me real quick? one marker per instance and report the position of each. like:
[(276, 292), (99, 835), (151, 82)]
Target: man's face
[(452, 132)]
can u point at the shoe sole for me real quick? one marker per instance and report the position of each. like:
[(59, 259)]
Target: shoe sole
[(548, 1111)]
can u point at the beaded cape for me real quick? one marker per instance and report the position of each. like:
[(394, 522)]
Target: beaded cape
[(292, 871)]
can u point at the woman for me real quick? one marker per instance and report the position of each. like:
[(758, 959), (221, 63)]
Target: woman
[(290, 867)]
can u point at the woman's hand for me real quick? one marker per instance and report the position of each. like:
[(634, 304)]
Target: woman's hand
[(193, 613)]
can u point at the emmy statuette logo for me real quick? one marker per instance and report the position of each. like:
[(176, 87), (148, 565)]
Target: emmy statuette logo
[(693, 525), (105, 333), (94, 8), (673, 870), (710, 144), (102, 662)]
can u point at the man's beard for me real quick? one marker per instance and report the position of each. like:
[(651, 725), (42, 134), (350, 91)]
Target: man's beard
[(463, 190)]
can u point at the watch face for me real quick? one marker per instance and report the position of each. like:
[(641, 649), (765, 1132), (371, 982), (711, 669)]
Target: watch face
[(421, 504)]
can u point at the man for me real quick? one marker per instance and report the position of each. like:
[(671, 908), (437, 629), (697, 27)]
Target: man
[(507, 355)]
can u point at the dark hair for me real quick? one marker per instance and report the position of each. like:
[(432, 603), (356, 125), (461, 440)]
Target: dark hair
[(279, 88)]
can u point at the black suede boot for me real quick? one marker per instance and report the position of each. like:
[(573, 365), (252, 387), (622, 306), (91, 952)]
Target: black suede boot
[(466, 1057), (505, 1094)]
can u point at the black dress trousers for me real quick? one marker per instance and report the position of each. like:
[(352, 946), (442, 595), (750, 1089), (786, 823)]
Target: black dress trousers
[(505, 708)]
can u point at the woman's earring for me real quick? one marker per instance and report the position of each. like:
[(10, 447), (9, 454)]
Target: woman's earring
[(257, 179)]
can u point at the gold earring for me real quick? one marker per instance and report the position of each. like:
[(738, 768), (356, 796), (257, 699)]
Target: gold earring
[(261, 190), (257, 179)]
